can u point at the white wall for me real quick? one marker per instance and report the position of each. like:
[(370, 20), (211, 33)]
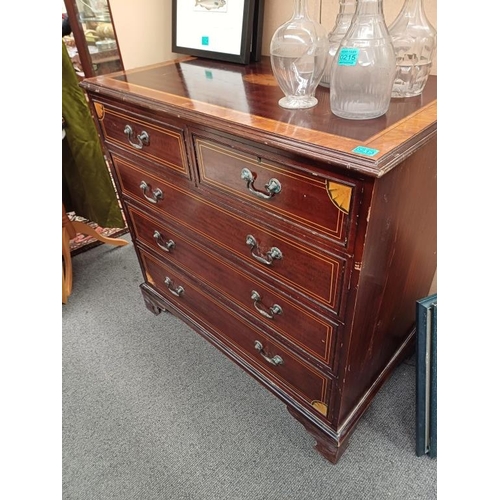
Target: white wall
[(143, 27)]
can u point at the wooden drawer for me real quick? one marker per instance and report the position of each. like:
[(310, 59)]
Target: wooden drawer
[(161, 143), (297, 326), (238, 335), (315, 275), (324, 207)]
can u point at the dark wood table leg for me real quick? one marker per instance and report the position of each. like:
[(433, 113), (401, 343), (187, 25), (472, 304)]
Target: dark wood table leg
[(326, 445)]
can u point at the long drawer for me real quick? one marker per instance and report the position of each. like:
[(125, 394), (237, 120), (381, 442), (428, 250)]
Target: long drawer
[(285, 318), (317, 276), (296, 200), (268, 357)]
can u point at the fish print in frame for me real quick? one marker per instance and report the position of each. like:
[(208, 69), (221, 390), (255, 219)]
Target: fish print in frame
[(210, 5)]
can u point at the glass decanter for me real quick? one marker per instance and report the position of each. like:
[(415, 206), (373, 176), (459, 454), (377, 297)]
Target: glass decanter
[(298, 56), (364, 67), (414, 40), (342, 24)]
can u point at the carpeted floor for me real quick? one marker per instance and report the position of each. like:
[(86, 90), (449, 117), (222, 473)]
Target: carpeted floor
[(151, 411)]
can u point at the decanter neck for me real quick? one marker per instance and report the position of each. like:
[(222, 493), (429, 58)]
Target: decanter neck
[(300, 9), (369, 7), (413, 9), (347, 5)]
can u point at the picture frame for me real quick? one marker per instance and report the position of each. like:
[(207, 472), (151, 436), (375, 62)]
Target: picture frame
[(426, 376), (225, 30)]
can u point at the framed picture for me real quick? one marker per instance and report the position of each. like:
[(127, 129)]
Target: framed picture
[(426, 376), (227, 30)]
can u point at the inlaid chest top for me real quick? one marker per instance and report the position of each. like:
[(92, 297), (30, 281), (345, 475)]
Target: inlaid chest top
[(243, 100)]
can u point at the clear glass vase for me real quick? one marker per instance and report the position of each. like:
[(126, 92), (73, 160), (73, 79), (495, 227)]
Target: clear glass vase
[(342, 24), (298, 56), (414, 40), (364, 67)]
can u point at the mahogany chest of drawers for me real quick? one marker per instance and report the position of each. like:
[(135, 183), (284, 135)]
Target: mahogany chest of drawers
[(294, 241)]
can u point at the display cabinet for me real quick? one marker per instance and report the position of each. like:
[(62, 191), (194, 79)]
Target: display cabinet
[(92, 44)]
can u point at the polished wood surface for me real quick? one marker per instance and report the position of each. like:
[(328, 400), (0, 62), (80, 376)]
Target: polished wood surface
[(296, 326), (229, 95), (238, 335), (301, 199), (158, 137), (397, 267), (321, 274), (227, 232)]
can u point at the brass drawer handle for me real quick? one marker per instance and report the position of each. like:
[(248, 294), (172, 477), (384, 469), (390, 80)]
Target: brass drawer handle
[(157, 193), (274, 309), (275, 360), (143, 137), (272, 187), (174, 291), (167, 246), (270, 256)]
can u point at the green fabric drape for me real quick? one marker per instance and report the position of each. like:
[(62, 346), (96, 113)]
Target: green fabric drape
[(87, 185)]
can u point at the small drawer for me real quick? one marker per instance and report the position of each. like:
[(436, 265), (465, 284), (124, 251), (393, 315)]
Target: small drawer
[(322, 206), (161, 143), (267, 356), (295, 325), (318, 276)]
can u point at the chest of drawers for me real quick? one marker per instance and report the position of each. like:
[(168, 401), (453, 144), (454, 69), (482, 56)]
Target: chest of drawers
[(294, 241)]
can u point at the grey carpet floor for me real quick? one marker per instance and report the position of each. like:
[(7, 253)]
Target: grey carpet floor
[(153, 411)]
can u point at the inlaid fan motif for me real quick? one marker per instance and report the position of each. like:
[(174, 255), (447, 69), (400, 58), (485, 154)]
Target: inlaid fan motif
[(340, 195)]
